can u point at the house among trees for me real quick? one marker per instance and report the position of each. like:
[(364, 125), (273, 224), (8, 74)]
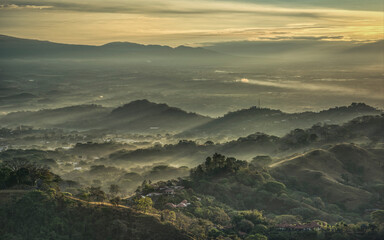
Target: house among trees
[(153, 194), (170, 205), (169, 191), (178, 187), (182, 204)]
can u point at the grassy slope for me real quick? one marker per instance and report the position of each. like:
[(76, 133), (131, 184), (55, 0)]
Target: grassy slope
[(321, 172), (39, 215)]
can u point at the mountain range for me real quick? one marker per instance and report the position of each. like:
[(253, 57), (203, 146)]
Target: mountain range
[(366, 130), (146, 116), (19, 48), (276, 122), (136, 116)]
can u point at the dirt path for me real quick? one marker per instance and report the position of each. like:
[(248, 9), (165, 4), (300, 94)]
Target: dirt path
[(113, 205)]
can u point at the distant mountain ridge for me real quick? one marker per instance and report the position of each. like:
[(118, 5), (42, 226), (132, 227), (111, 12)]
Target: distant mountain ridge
[(18, 97), (242, 52), (287, 46), (143, 115), (276, 122), (373, 48), (11, 47), (136, 116), (139, 108), (48, 118)]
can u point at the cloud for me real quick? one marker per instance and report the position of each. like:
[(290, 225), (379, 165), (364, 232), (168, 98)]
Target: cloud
[(311, 38), (300, 86), (243, 80), (173, 7), (15, 6), (296, 85), (176, 22), (370, 5)]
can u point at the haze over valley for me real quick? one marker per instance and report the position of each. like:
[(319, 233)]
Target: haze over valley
[(250, 120), (332, 74)]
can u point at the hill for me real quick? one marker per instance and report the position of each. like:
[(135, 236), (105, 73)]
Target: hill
[(17, 97), (367, 130), (320, 184), (341, 174), (275, 122), (329, 192), (137, 109), (47, 118), (137, 116), (142, 115), (32, 206), (41, 215), (16, 48)]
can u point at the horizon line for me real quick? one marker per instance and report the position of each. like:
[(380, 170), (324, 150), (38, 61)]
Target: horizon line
[(200, 45)]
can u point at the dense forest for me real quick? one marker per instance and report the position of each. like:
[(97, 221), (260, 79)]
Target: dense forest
[(325, 181), (222, 197)]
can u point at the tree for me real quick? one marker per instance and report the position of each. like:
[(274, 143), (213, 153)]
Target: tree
[(214, 233), (254, 216), (21, 171), (114, 189), (168, 215), (217, 164), (313, 137), (275, 187), (4, 176), (208, 163), (220, 216), (96, 194), (115, 201), (318, 202), (245, 225), (260, 228), (218, 160), (144, 204), (378, 217), (256, 236), (197, 172), (287, 219), (146, 187)]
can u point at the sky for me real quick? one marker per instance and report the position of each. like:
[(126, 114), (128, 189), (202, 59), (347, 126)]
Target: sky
[(192, 22)]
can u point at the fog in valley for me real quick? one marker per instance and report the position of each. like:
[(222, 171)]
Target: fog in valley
[(120, 117)]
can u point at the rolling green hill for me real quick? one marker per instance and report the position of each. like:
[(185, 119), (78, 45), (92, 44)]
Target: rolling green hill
[(42, 215), (275, 122), (341, 174)]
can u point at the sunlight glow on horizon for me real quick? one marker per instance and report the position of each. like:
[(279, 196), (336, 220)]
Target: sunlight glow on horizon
[(184, 23)]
